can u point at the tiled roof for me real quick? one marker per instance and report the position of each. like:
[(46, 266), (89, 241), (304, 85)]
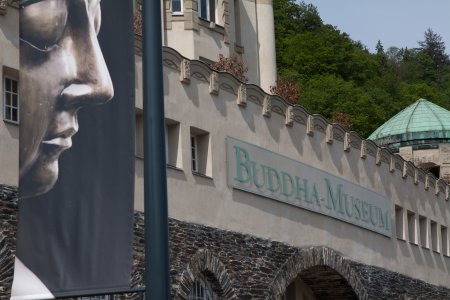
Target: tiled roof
[(420, 121)]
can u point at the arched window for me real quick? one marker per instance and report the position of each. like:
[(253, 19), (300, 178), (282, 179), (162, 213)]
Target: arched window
[(200, 291)]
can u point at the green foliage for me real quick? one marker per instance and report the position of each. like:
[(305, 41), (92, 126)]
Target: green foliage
[(339, 78), (434, 47)]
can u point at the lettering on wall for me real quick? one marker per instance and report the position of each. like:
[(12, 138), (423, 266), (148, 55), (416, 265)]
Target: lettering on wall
[(260, 171)]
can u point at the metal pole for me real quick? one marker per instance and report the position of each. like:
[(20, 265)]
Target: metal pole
[(155, 182)]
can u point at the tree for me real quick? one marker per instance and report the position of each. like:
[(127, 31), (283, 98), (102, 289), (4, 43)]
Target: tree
[(379, 47), (340, 76), (326, 51), (380, 54), (291, 19), (434, 47)]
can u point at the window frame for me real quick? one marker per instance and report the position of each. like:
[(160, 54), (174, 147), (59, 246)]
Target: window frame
[(166, 141), (444, 240), (200, 285), (434, 236), (412, 227), (208, 16), (174, 154), (194, 153), (139, 134), (423, 231), (201, 149), (10, 107), (399, 223), (181, 11)]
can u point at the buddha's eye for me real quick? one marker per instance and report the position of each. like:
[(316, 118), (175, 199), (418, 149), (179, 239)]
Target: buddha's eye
[(43, 23)]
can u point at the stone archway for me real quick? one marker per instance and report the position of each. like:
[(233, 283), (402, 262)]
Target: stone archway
[(326, 283), (325, 271), (205, 263)]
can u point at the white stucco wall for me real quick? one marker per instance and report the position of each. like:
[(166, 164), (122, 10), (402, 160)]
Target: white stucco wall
[(249, 39), (9, 133), (179, 38), (196, 39), (266, 44), (212, 202)]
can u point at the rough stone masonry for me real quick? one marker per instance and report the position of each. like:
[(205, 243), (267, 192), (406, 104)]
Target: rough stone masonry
[(240, 266)]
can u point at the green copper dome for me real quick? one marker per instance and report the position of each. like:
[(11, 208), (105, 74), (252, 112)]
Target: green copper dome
[(422, 125)]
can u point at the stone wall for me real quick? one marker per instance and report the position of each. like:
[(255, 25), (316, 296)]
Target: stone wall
[(262, 269), (8, 225), (240, 266)]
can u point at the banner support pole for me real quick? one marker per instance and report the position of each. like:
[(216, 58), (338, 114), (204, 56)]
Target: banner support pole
[(157, 280)]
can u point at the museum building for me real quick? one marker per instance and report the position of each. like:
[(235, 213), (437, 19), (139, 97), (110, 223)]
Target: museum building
[(266, 200)]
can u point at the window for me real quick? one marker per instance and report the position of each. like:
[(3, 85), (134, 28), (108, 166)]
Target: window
[(207, 9), (423, 231), (434, 236), (399, 222), (11, 100), (173, 149), (177, 7), (139, 134), (200, 152), (444, 240), (411, 217), (172, 140), (200, 291), (194, 153)]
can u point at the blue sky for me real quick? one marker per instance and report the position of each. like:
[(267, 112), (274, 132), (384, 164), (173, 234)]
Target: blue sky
[(397, 23)]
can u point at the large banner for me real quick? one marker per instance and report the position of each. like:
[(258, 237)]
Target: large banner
[(76, 148)]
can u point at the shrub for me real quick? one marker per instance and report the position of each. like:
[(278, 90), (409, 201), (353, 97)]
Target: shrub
[(233, 65), (342, 119), (287, 89), (137, 22)]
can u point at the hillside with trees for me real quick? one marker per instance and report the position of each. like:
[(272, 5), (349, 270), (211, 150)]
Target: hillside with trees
[(340, 79)]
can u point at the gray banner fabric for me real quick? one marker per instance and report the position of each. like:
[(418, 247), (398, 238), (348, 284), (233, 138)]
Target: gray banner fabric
[(76, 147)]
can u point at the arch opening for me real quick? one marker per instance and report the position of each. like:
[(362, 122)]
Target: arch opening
[(319, 283), (205, 266)]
